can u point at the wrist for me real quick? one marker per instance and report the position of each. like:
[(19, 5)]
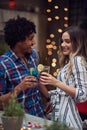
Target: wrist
[(48, 99), (17, 90)]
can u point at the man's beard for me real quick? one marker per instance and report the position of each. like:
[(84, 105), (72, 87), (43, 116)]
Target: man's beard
[(27, 55)]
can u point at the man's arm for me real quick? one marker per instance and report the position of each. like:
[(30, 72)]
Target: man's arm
[(4, 99), (44, 91)]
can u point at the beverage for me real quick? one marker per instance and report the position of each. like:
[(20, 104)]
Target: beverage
[(43, 68), (46, 69)]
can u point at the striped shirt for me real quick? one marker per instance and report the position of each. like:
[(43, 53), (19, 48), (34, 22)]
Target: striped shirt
[(65, 108), (12, 72)]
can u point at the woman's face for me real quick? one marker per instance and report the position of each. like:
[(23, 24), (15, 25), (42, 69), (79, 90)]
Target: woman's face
[(66, 44)]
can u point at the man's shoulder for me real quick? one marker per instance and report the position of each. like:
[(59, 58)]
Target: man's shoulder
[(4, 57)]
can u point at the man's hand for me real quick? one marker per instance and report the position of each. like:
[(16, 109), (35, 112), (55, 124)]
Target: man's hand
[(26, 83)]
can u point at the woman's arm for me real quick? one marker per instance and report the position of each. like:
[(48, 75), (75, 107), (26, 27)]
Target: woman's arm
[(79, 71), (79, 91), (46, 79)]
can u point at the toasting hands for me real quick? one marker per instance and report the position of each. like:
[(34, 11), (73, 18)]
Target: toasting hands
[(47, 79), (26, 83)]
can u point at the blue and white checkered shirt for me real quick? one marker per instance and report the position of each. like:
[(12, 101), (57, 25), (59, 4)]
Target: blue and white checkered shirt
[(12, 72)]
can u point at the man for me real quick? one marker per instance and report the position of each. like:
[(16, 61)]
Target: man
[(15, 65)]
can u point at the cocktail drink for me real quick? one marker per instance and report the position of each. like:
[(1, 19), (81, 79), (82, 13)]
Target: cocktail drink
[(43, 68), (46, 69), (34, 72)]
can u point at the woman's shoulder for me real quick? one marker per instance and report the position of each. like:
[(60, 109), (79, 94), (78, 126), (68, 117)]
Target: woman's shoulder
[(77, 59)]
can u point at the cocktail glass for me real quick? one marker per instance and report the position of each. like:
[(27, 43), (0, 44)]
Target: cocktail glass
[(46, 69)]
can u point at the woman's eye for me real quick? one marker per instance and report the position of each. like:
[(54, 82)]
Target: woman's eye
[(67, 40)]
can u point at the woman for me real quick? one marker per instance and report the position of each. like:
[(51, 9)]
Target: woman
[(71, 83), (82, 107)]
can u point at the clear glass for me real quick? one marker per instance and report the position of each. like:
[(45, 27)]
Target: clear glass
[(46, 68)]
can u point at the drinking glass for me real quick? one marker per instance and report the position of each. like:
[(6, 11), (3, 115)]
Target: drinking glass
[(46, 69)]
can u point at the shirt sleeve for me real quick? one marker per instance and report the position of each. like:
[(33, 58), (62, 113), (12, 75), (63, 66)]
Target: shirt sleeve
[(2, 80), (80, 77)]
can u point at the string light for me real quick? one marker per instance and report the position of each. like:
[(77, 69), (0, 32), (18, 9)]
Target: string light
[(66, 25), (49, 19), (55, 47), (49, 52), (49, 0), (56, 7), (53, 64), (53, 42), (48, 41), (60, 30), (54, 60), (52, 35), (48, 10), (66, 18), (55, 74), (65, 9), (57, 17)]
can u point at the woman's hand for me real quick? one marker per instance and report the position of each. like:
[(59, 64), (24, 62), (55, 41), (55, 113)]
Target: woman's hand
[(47, 79), (48, 108)]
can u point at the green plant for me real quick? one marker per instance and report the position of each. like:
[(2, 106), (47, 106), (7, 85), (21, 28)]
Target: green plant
[(13, 108), (57, 126), (13, 114)]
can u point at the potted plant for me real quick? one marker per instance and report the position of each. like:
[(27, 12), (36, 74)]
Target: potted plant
[(57, 126), (13, 114)]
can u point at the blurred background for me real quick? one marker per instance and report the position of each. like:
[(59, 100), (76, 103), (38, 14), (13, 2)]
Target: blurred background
[(51, 17)]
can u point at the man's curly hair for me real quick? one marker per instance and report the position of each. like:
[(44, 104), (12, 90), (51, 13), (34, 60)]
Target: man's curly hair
[(17, 30)]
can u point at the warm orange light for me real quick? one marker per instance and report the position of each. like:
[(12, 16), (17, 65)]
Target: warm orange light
[(49, 0), (48, 10), (49, 19), (56, 7), (60, 30), (48, 41), (65, 25), (53, 64), (52, 35), (66, 18), (57, 17), (54, 60), (65, 9)]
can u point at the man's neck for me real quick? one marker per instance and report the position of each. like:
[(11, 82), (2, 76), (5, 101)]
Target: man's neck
[(18, 53)]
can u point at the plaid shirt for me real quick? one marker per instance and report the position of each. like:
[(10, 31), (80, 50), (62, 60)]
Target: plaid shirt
[(12, 72)]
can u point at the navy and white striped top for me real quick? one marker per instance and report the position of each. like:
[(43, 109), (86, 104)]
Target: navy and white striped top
[(65, 105)]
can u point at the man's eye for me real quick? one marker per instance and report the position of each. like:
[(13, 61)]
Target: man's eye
[(30, 39)]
